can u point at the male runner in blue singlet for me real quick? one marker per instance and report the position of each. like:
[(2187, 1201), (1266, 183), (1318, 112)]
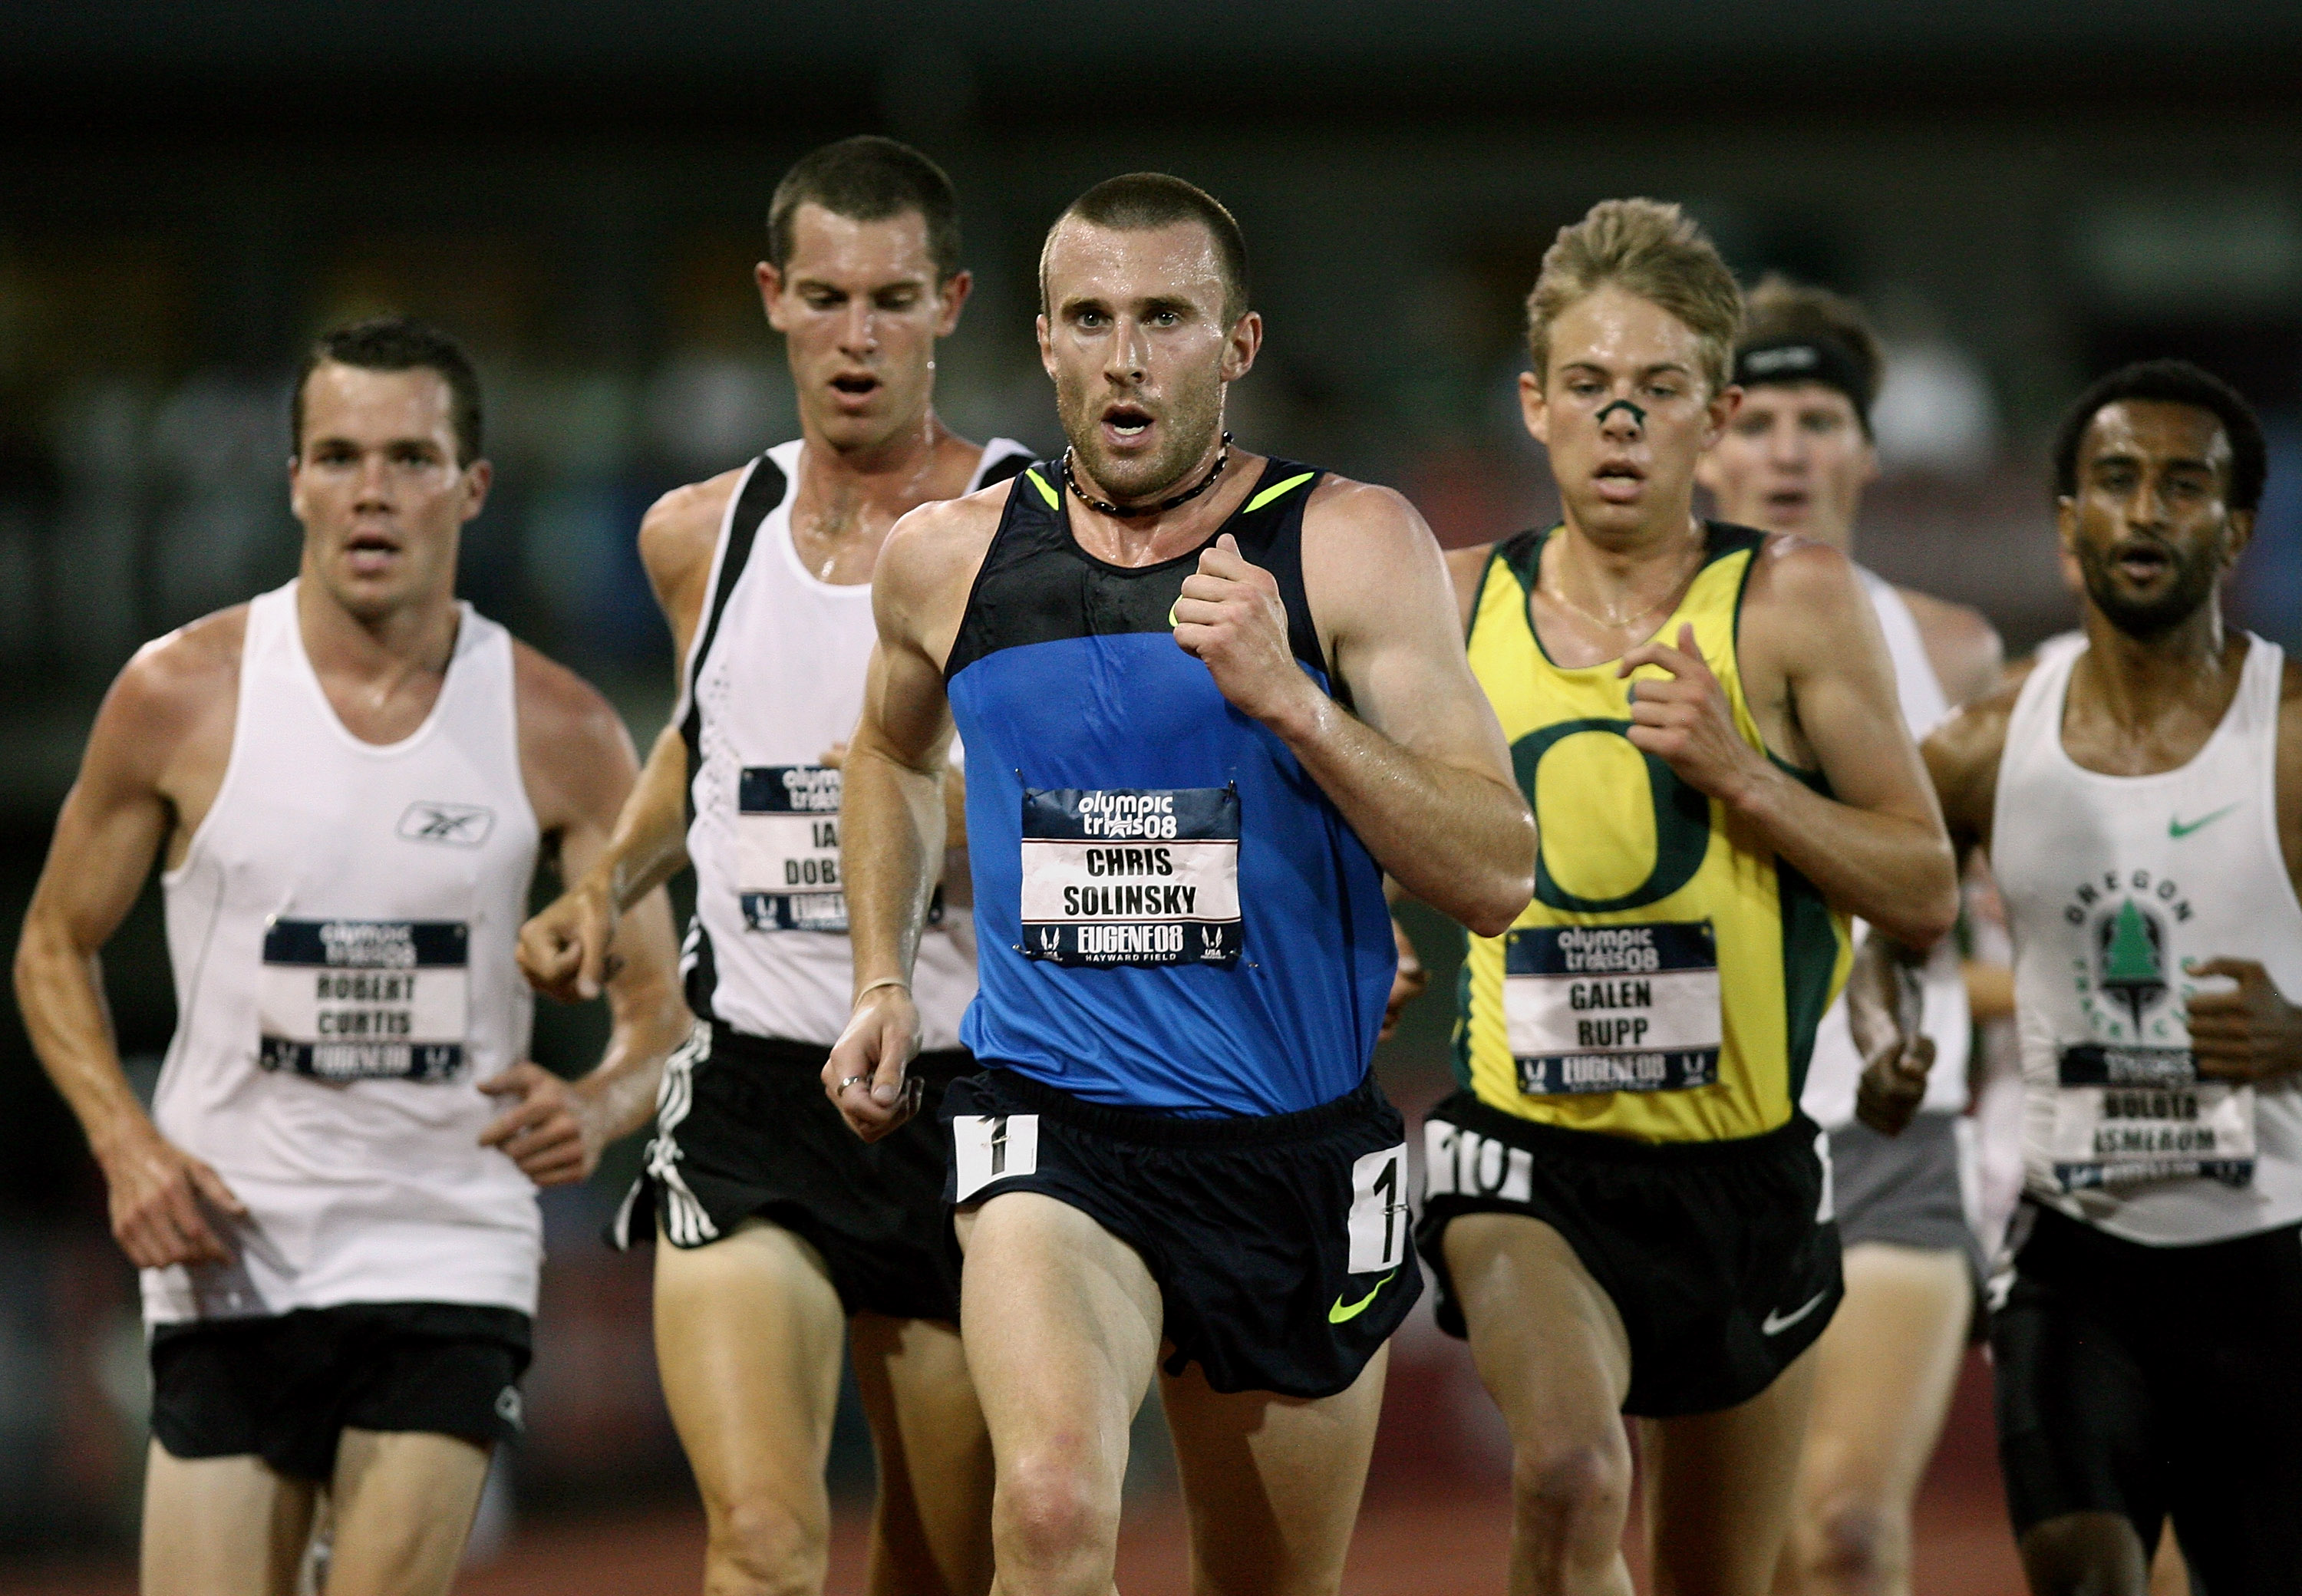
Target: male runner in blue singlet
[(1208, 700)]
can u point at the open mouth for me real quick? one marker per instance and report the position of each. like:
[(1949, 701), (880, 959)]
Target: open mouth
[(2141, 563), (1618, 481), (855, 384), (1126, 424), (371, 551), (1788, 500)]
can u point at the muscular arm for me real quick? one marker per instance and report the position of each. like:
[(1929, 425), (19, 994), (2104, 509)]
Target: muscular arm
[(1421, 770), (1876, 847), (893, 826), (565, 951), (577, 763), (161, 716)]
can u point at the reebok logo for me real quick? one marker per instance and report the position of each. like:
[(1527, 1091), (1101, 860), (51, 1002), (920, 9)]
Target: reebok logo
[(1343, 1312), (2177, 830), (465, 825)]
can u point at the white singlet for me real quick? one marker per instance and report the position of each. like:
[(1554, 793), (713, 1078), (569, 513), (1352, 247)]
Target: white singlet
[(774, 678), (341, 931), (2112, 883), (1837, 1070)]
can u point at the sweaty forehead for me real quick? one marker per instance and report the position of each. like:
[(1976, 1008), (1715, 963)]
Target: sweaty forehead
[(354, 401), (1088, 261), (827, 247), (1616, 330), (2160, 429)]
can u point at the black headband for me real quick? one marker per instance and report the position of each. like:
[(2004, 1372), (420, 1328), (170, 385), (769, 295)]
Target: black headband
[(1789, 360)]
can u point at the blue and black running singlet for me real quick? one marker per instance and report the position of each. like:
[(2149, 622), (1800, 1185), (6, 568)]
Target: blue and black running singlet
[(1171, 915)]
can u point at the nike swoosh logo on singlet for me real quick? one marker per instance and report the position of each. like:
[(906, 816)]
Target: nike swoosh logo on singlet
[(2175, 828), (1342, 1313), (1775, 1323)]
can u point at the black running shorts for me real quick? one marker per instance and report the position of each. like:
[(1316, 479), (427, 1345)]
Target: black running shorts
[(1720, 1257), (744, 1131), (2158, 1381), (286, 1387), (1281, 1245)]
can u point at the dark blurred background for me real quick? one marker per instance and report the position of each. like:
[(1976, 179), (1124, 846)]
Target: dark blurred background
[(2023, 195)]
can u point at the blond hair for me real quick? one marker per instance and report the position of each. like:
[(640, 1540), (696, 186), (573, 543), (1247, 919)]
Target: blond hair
[(1650, 248)]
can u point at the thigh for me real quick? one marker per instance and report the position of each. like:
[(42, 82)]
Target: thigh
[(2231, 1394), (403, 1502), (1271, 1484), (2079, 1433), (931, 1528), (1062, 1325), (1884, 1374), (223, 1526), (1548, 1341), (748, 1337), (1719, 1488)]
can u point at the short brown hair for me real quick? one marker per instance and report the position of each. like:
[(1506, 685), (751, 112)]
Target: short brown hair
[(1647, 247), (867, 178), (396, 343), (1148, 201), (1778, 311)]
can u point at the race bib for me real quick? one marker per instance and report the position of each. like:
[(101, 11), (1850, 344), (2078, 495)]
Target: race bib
[(2127, 1115), (364, 999), (1120, 876), (787, 849), (1612, 1008)]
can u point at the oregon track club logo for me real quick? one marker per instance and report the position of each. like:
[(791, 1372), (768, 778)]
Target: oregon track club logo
[(2121, 969)]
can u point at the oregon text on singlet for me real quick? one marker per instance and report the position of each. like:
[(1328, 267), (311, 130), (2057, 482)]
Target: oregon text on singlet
[(775, 678), (1170, 914), (341, 930), (2112, 883), (1666, 983)]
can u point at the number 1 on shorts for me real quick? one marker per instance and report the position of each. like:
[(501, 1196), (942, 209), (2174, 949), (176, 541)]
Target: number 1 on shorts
[(1378, 1223)]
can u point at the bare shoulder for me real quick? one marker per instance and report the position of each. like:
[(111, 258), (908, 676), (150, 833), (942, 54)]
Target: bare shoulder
[(175, 687), (931, 546), (1466, 568), (1802, 605), (1963, 753), (1793, 570), (1356, 510), (678, 533), (1962, 645), (1363, 540), (2289, 707), (574, 752)]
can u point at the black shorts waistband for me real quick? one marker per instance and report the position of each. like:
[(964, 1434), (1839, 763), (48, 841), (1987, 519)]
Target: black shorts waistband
[(942, 1066), (2055, 1240), (1153, 1129), (1795, 1134)]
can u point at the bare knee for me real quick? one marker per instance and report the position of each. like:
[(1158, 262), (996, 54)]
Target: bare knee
[(1049, 1511), (1853, 1546), (763, 1547), (1573, 1496)]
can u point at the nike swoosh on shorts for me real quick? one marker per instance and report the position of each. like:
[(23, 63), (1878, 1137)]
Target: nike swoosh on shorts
[(1342, 1313), (1775, 1323)]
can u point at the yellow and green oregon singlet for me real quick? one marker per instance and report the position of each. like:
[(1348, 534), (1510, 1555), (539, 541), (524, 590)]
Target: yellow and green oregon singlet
[(1665, 982)]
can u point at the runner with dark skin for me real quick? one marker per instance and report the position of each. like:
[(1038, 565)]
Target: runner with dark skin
[(2146, 541)]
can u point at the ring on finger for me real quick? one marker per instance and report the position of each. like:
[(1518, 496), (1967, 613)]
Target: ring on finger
[(854, 1080)]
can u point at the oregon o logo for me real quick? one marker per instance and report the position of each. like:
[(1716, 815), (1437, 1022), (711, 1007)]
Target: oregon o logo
[(1680, 815)]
